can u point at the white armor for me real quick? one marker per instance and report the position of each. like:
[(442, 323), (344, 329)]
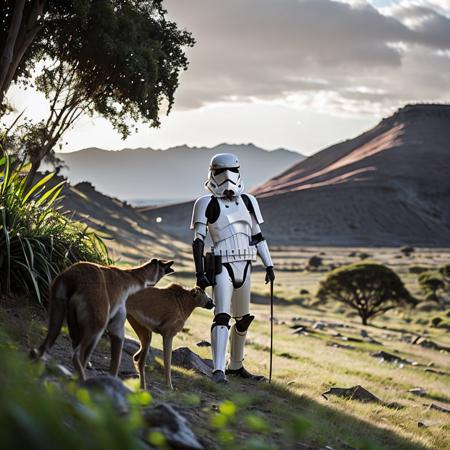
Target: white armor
[(232, 221)]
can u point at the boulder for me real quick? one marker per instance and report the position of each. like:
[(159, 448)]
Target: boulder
[(428, 343), (337, 345), (437, 372), (421, 392), (385, 356), (439, 408), (353, 393), (111, 387), (175, 428), (300, 330), (319, 326), (186, 358)]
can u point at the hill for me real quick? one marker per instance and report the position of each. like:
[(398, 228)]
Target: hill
[(389, 186), (145, 175), (129, 236)]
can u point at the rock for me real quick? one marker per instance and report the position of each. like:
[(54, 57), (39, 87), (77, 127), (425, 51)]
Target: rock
[(111, 387), (319, 326), (351, 339), (336, 345), (286, 355), (203, 344), (304, 292), (422, 424), (437, 372), (185, 357), (131, 346), (428, 343), (394, 405), (300, 330), (353, 393), (439, 408), (54, 369), (364, 333), (165, 419), (418, 391), (390, 358)]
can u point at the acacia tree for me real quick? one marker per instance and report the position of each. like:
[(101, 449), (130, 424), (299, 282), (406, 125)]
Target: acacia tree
[(370, 288), (120, 59)]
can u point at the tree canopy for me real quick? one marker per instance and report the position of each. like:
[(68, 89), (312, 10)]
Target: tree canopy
[(126, 55), (120, 59), (370, 288)]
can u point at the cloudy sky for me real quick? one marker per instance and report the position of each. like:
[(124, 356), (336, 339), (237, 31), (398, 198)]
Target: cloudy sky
[(290, 73)]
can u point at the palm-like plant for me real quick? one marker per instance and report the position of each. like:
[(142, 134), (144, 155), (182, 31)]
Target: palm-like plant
[(37, 241)]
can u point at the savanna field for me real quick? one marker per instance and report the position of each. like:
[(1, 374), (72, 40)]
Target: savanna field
[(333, 349), (316, 347)]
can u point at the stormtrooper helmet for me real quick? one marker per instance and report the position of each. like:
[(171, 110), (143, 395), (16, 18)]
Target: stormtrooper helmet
[(224, 179)]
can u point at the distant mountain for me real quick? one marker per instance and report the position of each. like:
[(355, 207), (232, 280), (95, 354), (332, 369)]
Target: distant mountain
[(175, 174), (389, 186)]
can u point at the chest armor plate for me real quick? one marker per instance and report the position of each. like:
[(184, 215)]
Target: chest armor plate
[(233, 219)]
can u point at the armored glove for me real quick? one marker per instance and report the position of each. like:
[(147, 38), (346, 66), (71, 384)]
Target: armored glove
[(270, 274), (197, 248)]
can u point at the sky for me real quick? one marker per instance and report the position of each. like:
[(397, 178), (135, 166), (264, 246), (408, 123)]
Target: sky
[(295, 74)]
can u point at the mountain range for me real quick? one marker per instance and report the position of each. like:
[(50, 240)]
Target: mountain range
[(389, 186), (147, 176)]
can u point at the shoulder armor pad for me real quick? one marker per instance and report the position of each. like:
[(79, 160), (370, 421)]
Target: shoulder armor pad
[(199, 210), (252, 205)]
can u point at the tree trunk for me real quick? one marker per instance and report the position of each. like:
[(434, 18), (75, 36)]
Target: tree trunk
[(8, 52), (25, 35)]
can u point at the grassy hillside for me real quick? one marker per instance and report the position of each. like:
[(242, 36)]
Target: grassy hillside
[(291, 412)]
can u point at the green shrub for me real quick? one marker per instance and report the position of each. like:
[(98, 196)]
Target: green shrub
[(445, 271), (37, 241), (431, 282), (370, 288)]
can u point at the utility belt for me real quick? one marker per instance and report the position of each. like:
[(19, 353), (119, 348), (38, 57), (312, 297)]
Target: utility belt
[(215, 259)]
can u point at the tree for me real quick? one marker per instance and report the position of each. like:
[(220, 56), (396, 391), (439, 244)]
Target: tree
[(20, 24), (118, 58), (370, 288), (431, 282)]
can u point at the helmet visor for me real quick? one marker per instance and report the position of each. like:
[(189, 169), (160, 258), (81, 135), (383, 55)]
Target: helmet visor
[(222, 176)]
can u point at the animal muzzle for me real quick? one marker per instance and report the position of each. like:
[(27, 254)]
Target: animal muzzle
[(210, 304)]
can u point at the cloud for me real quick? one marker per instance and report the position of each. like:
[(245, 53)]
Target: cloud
[(276, 50)]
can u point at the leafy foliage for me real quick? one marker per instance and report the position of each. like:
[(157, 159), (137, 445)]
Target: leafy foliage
[(431, 282), (40, 414), (370, 288), (37, 241), (120, 59)]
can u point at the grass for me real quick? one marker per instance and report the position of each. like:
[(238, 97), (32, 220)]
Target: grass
[(305, 367), (37, 241), (292, 409)]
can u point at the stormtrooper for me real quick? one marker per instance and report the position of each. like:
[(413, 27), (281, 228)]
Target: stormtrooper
[(233, 221)]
